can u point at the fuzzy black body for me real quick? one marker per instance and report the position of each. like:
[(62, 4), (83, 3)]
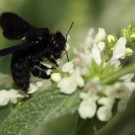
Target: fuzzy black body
[(37, 44)]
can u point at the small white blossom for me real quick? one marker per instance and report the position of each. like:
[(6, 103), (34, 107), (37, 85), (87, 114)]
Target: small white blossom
[(96, 54), (101, 35), (88, 107), (9, 96), (56, 77), (104, 112), (69, 84), (34, 87), (14, 95), (119, 50), (4, 97), (67, 67)]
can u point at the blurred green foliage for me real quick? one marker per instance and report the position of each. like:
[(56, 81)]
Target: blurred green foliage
[(58, 15)]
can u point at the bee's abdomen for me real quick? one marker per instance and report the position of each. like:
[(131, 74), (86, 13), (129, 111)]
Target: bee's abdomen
[(20, 71)]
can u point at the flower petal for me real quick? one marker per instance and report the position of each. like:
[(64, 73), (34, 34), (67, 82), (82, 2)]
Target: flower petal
[(87, 109), (119, 50), (67, 85), (104, 113), (100, 35), (14, 95), (4, 97), (67, 67), (96, 54)]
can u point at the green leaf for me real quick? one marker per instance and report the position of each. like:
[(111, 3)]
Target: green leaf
[(62, 126), (123, 123), (39, 109), (88, 126)]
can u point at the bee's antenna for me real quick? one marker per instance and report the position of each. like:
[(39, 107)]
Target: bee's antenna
[(66, 54), (69, 30), (67, 37)]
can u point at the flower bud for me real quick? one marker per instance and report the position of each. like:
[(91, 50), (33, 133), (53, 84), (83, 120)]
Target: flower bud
[(111, 40), (129, 51), (56, 77), (129, 33)]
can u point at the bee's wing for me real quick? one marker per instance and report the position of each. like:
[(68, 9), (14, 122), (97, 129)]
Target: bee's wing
[(13, 49), (13, 26)]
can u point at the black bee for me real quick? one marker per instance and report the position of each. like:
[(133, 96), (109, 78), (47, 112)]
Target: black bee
[(37, 43)]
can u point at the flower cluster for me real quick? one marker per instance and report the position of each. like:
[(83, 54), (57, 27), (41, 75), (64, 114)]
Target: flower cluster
[(12, 95), (129, 33), (99, 57)]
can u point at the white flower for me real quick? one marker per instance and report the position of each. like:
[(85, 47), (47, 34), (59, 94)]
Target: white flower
[(34, 87), (96, 54), (88, 107), (67, 67), (69, 84), (14, 95), (100, 35), (104, 112), (9, 96), (4, 97), (119, 50)]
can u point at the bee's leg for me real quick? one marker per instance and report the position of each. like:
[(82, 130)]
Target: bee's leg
[(40, 65), (36, 61), (39, 73), (53, 61)]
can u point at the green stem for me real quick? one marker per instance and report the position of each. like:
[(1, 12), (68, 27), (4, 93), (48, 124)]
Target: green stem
[(119, 73)]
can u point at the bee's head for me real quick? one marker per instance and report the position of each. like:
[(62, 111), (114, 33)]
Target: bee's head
[(58, 44)]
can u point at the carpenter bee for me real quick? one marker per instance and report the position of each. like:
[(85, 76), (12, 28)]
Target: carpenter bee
[(37, 44)]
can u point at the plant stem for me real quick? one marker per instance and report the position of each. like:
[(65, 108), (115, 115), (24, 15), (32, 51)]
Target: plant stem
[(113, 77)]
